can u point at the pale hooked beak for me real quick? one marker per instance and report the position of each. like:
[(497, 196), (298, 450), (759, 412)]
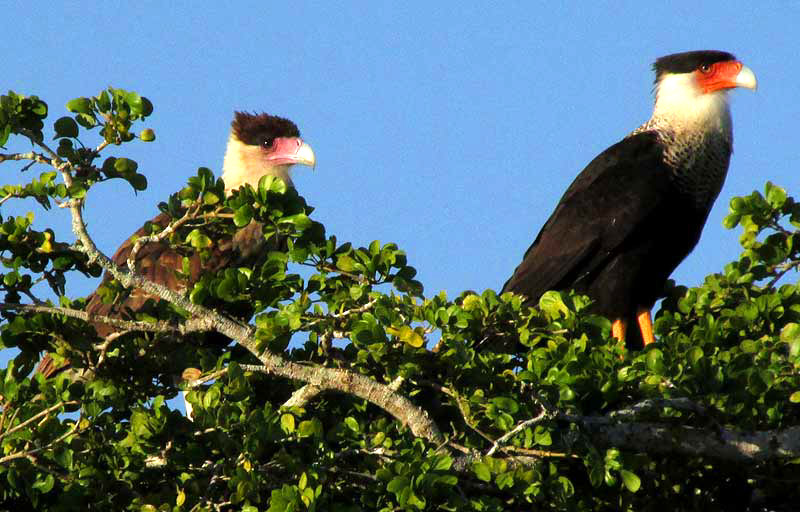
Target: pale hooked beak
[(305, 155), (746, 78), (291, 150)]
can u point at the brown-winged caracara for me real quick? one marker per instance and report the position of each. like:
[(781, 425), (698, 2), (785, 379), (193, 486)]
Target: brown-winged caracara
[(259, 145)]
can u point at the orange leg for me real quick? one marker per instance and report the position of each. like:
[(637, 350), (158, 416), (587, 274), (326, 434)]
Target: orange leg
[(646, 326), (618, 328)]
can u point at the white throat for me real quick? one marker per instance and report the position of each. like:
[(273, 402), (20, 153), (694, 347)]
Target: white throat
[(682, 105), (245, 163)]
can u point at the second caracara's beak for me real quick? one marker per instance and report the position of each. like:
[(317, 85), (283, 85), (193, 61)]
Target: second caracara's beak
[(726, 75), (746, 78), (291, 150)]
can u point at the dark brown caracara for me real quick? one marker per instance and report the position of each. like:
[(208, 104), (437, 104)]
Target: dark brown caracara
[(259, 145), (637, 210)]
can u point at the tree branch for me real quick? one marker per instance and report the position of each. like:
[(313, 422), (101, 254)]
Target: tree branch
[(345, 381), (75, 429), (192, 325), (724, 444), (36, 417), (32, 156)]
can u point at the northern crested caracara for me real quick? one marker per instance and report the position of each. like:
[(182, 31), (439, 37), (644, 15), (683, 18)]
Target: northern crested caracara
[(258, 145), (637, 210)]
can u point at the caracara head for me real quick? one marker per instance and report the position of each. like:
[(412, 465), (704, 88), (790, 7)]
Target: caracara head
[(259, 145), (692, 87)]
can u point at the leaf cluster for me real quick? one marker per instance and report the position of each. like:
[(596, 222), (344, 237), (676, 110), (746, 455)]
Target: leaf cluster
[(516, 393)]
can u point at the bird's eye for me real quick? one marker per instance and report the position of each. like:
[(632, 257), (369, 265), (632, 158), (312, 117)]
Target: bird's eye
[(268, 142), (705, 68)]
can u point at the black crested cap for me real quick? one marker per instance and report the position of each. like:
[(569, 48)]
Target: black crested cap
[(258, 129), (687, 62)]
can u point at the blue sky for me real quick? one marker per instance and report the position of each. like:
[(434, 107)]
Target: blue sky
[(450, 128)]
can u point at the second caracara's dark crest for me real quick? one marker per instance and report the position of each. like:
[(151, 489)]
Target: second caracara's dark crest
[(259, 145), (637, 210), (688, 62)]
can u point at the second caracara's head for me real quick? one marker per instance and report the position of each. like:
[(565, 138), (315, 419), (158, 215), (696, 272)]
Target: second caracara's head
[(692, 86), (262, 144)]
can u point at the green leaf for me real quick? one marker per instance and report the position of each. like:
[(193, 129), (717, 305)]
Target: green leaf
[(103, 102), (138, 181), (345, 263), (147, 107), (443, 463), (351, 423), (45, 485), (795, 397), (210, 198), (655, 361), (147, 135), (306, 428), (65, 127), (695, 354), (278, 186), (631, 481), (790, 332), (482, 471), (356, 292), (300, 221), (749, 346), (198, 240), (125, 165), (407, 335), (287, 423), (552, 303), (542, 436), (731, 220), (80, 105), (775, 195), (397, 484), (507, 404), (243, 215)]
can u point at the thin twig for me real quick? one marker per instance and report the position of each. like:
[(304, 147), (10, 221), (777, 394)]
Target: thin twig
[(336, 316), (498, 444), (783, 269), (29, 453), (36, 417), (202, 380)]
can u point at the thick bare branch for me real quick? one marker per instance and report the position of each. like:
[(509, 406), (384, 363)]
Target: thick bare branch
[(724, 444), (32, 156), (682, 404), (345, 381), (302, 396), (356, 384)]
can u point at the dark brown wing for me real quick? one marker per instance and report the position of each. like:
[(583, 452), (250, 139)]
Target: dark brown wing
[(617, 233), (162, 263)]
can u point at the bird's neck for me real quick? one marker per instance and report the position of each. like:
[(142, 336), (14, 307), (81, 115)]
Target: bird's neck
[(697, 136), (683, 108), (245, 163)]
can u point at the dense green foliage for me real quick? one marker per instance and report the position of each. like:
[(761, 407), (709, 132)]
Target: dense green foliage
[(727, 360)]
